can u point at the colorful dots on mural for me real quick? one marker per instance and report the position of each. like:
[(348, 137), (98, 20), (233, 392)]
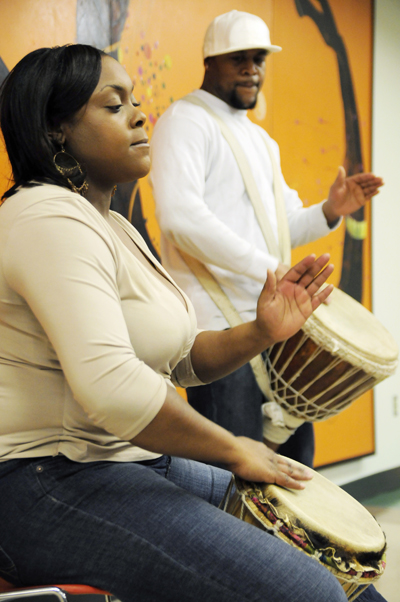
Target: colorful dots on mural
[(150, 89), (147, 50)]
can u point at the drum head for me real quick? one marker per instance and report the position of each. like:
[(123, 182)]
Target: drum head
[(347, 328), (324, 508)]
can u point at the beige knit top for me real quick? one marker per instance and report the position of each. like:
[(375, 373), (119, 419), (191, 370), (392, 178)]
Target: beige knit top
[(89, 335)]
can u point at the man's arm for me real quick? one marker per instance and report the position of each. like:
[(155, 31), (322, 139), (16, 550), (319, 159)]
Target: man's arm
[(346, 195)]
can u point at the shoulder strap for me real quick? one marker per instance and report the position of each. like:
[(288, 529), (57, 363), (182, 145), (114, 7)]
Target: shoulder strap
[(281, 216), (283, 249)]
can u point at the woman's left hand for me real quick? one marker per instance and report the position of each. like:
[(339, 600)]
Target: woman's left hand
[(284, 306)]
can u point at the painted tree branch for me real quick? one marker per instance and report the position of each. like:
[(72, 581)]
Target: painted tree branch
[(351, 277)]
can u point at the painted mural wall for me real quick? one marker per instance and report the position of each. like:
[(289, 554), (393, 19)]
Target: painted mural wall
[(316, 103)]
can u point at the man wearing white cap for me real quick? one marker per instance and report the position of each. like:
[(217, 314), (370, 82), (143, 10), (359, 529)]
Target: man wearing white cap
[(221, 199)]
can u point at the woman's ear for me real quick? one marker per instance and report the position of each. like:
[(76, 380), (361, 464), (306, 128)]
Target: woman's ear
[(57, 135)]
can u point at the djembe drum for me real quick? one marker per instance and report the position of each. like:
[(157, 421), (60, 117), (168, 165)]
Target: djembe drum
[(341, 352), (322, 521)]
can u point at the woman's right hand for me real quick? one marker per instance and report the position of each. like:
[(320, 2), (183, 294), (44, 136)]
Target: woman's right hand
[(178, 430), (256, 462)]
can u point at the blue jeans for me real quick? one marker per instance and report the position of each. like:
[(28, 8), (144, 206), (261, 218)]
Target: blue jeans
[(148, 533), (235, 401)]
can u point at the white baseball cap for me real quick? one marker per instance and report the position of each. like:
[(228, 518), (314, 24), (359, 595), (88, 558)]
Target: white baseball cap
[(234, 31)]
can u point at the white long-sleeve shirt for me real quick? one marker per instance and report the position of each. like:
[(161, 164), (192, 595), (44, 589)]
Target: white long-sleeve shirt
[(203, 208)]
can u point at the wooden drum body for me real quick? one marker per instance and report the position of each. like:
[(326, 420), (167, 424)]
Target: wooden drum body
[(321, 520), (341, 352)]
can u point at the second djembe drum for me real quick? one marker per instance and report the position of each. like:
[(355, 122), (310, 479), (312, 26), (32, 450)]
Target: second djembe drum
[(341, 352)]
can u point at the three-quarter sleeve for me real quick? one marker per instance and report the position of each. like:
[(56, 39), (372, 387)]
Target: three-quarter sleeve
[(64, 267)]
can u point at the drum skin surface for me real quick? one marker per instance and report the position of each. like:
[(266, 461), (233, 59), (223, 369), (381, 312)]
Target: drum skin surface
[(326, 509), (354, 328)]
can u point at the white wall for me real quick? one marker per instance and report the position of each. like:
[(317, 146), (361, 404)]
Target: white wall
[(385, 238)]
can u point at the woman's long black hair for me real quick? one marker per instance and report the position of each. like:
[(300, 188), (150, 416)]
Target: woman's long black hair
[(47, 87)]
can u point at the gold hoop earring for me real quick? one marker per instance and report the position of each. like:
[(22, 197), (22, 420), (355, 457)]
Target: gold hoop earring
[(67, 170), (114, 190)]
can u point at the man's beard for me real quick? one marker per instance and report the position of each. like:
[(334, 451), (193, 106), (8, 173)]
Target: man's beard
[(237, 103)]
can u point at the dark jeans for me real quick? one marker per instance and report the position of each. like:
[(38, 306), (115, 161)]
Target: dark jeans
[(235, 401), (147, 533)]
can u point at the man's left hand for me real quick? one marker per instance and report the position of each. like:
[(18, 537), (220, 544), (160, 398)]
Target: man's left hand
[(347, 194)]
